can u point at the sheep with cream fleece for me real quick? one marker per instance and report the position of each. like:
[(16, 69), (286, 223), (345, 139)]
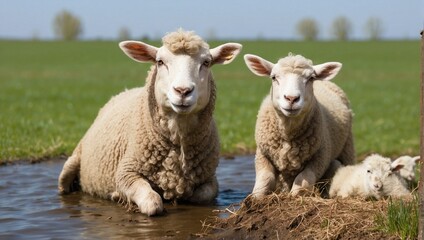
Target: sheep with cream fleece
[(160, 140), (376, 177), (304, 126)]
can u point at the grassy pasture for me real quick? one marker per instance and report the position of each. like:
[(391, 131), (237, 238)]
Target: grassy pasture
[(50, 92)]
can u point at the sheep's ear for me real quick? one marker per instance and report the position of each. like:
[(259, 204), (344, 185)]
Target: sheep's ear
[(258, 65), (416, 159), (327, 71), (225, 53), (396, 166), (139, 51)]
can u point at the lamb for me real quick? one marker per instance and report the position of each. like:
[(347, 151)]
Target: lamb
[(304, 126), (160, 140), (375, 177), (408, 170)]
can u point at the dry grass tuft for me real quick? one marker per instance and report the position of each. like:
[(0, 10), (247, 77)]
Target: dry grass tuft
[(280, 216)]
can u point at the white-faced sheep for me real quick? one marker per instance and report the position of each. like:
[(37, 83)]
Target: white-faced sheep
[(408, 170), (159, 140), (303, 127), (375, 177)]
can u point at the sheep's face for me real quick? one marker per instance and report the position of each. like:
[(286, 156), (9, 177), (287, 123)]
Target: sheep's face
[(183, 75), (292, 78), (375, 177), (378, 169), (291, 92), (408, 170), (182, 81)]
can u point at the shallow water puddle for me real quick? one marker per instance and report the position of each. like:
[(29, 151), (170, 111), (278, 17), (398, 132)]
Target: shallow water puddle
[(31, 207)]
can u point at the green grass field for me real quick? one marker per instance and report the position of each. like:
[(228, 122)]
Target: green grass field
[(50, 92)]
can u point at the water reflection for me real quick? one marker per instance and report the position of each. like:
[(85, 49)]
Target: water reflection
[(30, 206)]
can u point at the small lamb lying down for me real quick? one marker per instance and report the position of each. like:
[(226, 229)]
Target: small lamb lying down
[(375, 177)]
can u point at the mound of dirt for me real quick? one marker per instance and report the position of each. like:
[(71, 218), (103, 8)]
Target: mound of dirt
[(284, 217)]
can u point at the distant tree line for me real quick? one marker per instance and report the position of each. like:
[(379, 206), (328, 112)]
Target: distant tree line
[(68, 27), (341, 29)]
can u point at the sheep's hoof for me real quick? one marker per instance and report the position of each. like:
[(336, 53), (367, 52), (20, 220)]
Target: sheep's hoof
[(204, 194), (62, 190), (259, 194), (115, 196), (294, 193), (301, 191), (151, 204)]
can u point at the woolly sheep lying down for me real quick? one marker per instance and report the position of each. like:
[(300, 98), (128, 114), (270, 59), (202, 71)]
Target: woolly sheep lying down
[(304, 125), (375, 177), (159, 140)]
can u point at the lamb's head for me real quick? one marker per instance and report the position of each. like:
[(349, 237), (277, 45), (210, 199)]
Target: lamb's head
[(183, 66), (378, 169), (292, 78), (408, 170)]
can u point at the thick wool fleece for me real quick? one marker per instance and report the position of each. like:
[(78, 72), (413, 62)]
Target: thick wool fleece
[(131, 130), (290, 144)]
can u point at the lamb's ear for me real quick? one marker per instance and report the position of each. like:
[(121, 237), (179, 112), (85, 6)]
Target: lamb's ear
[(139, 51), (225, 53), (258, 65), (327, 71), (396, 166), (416, 159)]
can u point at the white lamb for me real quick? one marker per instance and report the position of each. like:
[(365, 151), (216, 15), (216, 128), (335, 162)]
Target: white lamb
[(408, 170), (159, 140), (375, 177), (304, 125)]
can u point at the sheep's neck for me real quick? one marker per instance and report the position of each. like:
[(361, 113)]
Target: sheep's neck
[(180, 129), (292, 127), (181, 126)]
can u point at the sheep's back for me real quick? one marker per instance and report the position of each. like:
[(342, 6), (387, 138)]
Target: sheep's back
[(336, 113), (106, 142), (347, 178)]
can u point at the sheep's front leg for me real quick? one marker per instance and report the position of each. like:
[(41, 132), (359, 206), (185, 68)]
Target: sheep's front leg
[(304, 181), (313, 171), (206, 192), (265, 176), (130, 184)]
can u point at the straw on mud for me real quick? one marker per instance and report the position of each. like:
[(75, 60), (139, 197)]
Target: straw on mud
[(310, 216)]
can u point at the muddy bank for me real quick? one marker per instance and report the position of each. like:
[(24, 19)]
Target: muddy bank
[(284, 217)]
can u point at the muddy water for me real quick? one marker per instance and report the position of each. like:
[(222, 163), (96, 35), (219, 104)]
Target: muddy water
[(31, 208)]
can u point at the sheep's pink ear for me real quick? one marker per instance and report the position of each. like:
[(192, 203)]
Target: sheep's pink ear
[(139, 51), (396, 166), (225, 53), (327, 71), (258, 65)]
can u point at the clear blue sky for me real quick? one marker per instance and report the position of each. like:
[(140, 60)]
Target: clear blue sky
[(229, 19)]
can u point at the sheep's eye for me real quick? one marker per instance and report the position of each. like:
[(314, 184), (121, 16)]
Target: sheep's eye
[(159, 62), (369, 171), (274, 78), (206, 63)]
